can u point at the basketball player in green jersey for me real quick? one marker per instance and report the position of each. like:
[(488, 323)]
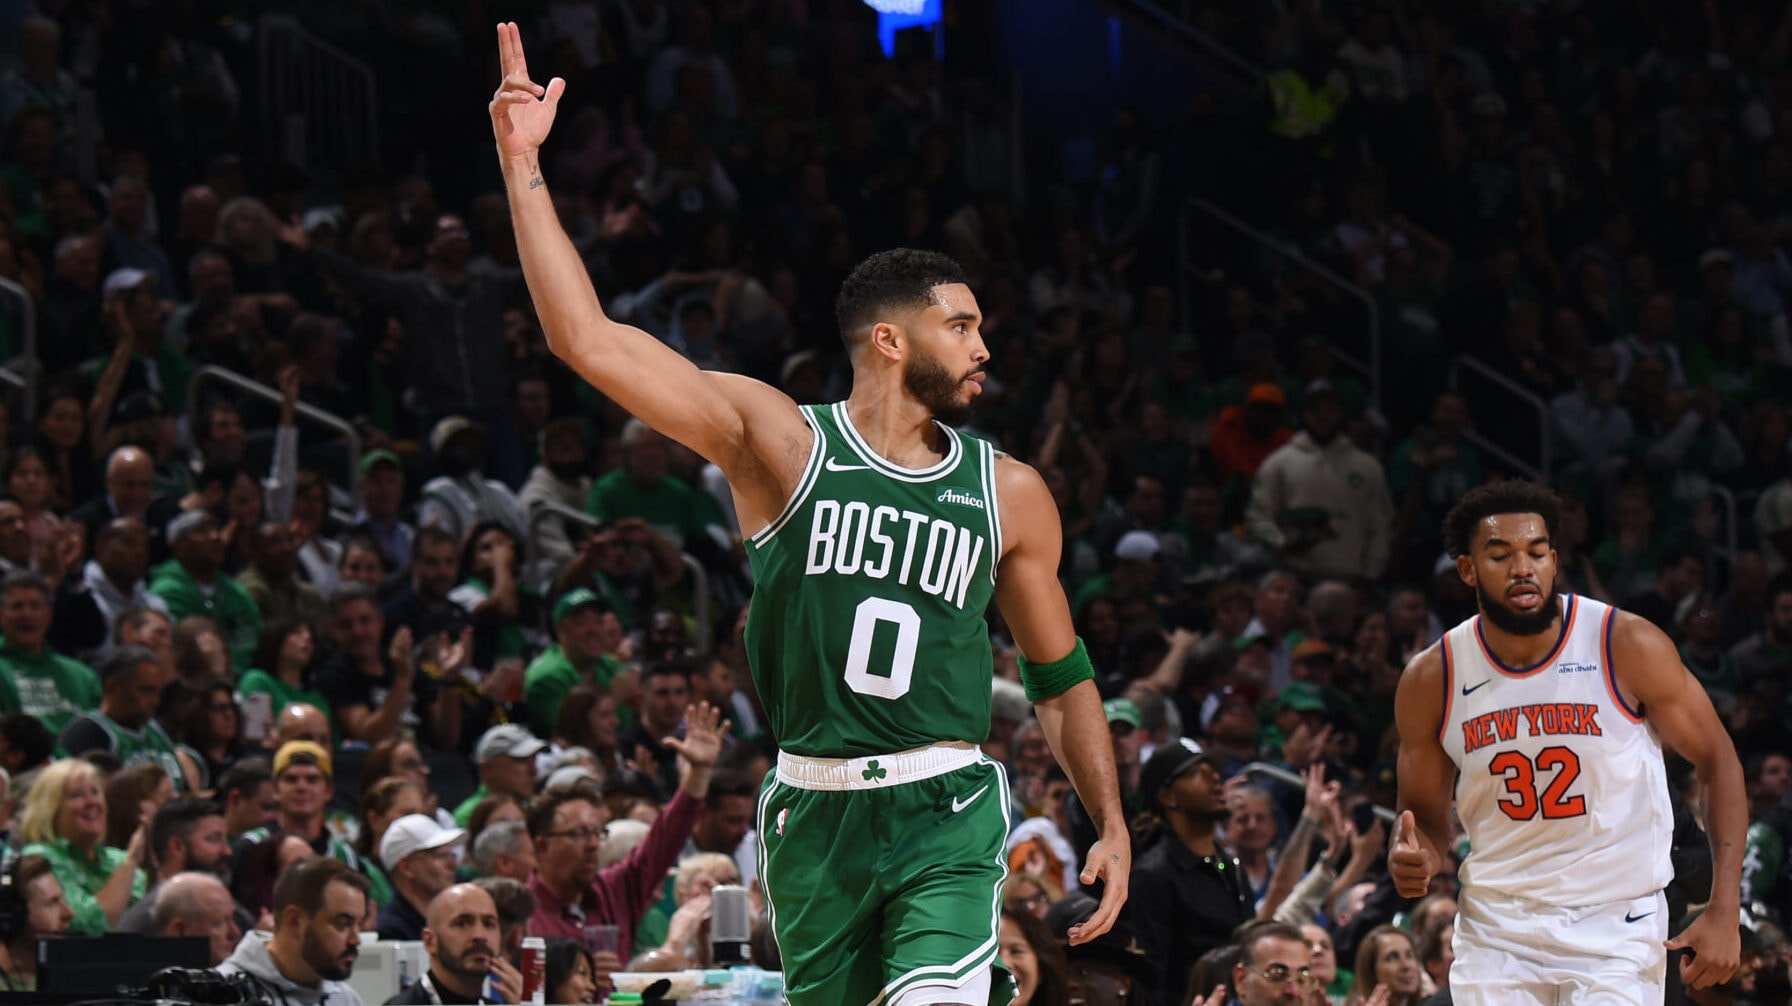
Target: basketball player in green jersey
[(878, 535)]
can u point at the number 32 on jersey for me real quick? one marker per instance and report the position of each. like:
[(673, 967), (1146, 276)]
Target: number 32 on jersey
[(1555, 768)]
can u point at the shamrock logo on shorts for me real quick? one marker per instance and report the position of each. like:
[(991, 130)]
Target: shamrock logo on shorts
[(875, 772)]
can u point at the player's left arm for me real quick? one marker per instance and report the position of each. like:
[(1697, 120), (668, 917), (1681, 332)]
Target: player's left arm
[(1653, 680), (1034, 606)]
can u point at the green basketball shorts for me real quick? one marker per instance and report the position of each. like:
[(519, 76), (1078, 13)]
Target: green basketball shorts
[(883, 875)]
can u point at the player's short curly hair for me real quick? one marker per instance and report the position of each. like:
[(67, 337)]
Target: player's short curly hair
[(1504, 496), (901, 279)]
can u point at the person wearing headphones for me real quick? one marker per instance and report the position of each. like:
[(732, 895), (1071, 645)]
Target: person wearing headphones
[(31, 908)]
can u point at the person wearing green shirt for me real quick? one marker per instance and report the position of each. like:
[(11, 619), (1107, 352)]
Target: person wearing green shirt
[(642, 488), (506, 757), (577, 656), (35, 679), (124, 725), (65, 822), (193, 583), (281, 668)]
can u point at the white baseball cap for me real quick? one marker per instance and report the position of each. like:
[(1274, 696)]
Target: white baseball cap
[(507, 739), (1136, 546), (414, 833)]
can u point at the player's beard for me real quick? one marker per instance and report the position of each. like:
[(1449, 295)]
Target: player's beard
[(933, 386), (1520, 623)]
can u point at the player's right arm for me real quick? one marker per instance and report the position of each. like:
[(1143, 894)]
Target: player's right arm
[(753, 432), (1425, 774)]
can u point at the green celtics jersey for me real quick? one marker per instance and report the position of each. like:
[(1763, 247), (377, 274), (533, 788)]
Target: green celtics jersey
[(866, 634)]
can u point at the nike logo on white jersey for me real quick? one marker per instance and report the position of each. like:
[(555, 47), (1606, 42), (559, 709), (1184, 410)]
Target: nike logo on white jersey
[(834, 466), (958, 805)]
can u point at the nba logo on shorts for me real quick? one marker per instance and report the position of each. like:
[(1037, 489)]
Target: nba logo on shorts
[(779, 829)]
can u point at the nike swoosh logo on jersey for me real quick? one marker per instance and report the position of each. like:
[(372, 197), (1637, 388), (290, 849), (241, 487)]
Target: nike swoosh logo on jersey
[(1467, 689), (1636, 918), (834, 466), (958, 805)]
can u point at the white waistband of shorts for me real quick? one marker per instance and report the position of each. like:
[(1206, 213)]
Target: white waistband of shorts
[(876, 771)]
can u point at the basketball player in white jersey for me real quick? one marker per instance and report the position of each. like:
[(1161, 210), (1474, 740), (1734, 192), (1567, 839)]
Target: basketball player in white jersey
[(1547, 714)]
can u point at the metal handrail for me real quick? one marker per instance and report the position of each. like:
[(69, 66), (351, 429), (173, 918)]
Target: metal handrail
[(1545, 446), (309, 85), (1200, 39), (1731, 534), (301, 410), (28, 322), (1280, 774), (1371, 367), (540, 510)]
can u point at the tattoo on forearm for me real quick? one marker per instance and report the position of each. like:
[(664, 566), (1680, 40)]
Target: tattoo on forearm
[(537, 182)]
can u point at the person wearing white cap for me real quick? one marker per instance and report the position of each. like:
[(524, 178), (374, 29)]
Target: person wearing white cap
[(1135, 572), (419, 856), (506, 756)]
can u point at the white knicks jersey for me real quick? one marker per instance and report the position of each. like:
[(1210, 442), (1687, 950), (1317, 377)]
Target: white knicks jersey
[(1561, 785)]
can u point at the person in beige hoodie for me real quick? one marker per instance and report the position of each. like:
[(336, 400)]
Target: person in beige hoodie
[(1321, 501)]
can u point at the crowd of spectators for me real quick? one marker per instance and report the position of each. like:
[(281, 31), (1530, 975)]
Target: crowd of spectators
[(493, 635)]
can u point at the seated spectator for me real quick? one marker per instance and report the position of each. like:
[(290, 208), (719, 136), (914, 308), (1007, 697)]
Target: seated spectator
[(1183, 903), (129, 489), (571, 974), (26, 747), (272, 579), (419, 856), (560, 478), (65, 822), (375, 690), (665, 691), (247, 795), (256, 868), (461, 935), (382, 498), (194, 583), (318, 906), (506, 759), (17, 554), (629, 565), (382, 803), (88, 607), (579, 656), (1036, 961), (198, 904), (462, 497), (571, 892), (364, 563), (184, 835), (495, 603), (1387, 959), (34, 678), (589, 719), (516, 906), (685, 936), (125, 726), (304, 785), (504, 850), (208, 728), (319, 555), (46, 915), (399, 757), (423, 605), (285, 661), (300, 721)]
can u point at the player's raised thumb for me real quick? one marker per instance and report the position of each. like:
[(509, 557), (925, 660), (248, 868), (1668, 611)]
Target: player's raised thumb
[(1409, 832)]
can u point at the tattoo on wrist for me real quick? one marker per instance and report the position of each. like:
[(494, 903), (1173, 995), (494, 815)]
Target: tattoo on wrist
[(537, 182)]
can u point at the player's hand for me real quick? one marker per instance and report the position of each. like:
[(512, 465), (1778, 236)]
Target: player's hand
[(1715, 942), (1110, 861), (703, 731), (1409, 862), (522, 110)]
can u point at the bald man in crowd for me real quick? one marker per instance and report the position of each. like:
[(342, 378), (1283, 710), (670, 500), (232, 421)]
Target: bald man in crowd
[(198, 904), (461, 935)]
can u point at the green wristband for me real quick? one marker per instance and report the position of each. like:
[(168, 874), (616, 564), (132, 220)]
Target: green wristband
[(1046, 681)]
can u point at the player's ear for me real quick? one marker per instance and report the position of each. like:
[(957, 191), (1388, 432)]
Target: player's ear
[(887, 340), (1465, 568)]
